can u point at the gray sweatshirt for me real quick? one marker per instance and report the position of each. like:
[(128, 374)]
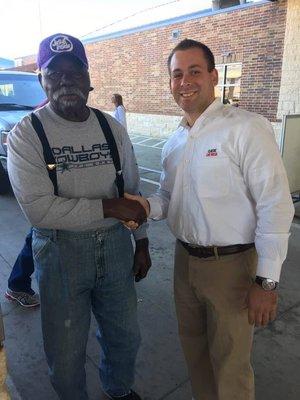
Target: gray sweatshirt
[(85, 171)]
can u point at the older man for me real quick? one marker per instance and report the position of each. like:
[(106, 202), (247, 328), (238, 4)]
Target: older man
[(68, 166), (225, 193)]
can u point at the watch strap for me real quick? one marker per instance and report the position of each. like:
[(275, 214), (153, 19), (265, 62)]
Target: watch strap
[(260, 281)]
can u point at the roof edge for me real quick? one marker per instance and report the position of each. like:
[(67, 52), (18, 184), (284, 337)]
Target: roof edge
[(171, 21)]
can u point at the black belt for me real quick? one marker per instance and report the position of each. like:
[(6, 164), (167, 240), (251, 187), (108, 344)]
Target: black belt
[(215, 251)]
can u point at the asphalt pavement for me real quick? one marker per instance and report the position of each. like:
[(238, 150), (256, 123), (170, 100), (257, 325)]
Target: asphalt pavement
[(160, 371)]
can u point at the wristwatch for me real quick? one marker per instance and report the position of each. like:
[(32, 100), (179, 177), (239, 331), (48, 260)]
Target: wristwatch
[(266, 283)]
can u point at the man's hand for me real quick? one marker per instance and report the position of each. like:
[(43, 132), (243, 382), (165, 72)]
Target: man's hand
[(262, 305), (144, 202), (124, 210), (142, 260)]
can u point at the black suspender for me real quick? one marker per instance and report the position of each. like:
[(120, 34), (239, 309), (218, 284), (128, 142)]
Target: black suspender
[(48, 155), (113, 150), (50, 160)]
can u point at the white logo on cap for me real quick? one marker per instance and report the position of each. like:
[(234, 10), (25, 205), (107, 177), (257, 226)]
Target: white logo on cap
[(60, 44)]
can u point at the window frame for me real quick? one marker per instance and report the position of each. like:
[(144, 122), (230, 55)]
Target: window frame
[(222, 87)]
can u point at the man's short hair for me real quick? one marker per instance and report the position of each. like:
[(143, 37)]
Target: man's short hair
[(187, 44)]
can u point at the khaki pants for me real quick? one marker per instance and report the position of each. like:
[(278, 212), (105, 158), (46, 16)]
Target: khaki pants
[(213, 323), (3, 372)]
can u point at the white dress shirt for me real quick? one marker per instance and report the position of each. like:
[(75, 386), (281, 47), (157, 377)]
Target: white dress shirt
[(120, 115), (223, 183)]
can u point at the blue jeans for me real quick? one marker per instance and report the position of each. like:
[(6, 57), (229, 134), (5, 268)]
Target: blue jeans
[(19, 279), (80, 272)]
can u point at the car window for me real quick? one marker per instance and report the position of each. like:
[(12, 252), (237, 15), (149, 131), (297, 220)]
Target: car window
[(23, 90)]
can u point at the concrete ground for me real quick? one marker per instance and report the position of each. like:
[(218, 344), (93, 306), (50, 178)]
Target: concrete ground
[(160, 372)]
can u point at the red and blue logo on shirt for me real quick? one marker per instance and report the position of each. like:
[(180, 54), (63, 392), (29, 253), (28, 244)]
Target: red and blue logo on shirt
[(211, 153)]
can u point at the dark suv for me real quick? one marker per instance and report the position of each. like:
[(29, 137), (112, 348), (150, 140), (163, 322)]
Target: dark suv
[(20, 93)]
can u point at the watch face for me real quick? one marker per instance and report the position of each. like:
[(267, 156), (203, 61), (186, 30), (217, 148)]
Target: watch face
[(268, 284)]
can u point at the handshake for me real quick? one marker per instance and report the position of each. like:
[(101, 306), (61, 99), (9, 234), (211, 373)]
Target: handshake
[(132, 210)]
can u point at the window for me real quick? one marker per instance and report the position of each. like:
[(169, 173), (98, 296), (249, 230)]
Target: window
[(6, 89), (18, 62), (20, 89), (229, 85)]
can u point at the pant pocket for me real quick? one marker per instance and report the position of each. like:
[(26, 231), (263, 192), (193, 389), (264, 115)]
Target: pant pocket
[(40, 244), (251, 263)]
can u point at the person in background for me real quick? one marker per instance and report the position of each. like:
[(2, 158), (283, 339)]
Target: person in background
[(120, 112), (19, 282)]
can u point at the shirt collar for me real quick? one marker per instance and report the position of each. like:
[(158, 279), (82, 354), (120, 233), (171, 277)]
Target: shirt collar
[(214, 107)]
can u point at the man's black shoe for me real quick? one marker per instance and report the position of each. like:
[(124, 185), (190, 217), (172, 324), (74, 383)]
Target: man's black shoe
[(131, 396)]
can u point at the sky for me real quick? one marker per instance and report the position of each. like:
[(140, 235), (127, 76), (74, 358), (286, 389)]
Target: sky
[(24, 23)]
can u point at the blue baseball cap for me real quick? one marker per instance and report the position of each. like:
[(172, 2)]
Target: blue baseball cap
[(58, 44)]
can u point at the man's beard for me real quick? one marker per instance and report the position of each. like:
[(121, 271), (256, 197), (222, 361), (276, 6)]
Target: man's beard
[(67, 103)]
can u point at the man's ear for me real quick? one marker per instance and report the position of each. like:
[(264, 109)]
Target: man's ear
[(215, 76)]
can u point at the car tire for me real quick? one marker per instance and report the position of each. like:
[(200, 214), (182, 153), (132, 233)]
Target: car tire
[(4, 181)]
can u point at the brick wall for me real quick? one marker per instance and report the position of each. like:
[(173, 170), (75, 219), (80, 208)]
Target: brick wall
[(289, 99), (30, 59), (135, 65), (25, 68)]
